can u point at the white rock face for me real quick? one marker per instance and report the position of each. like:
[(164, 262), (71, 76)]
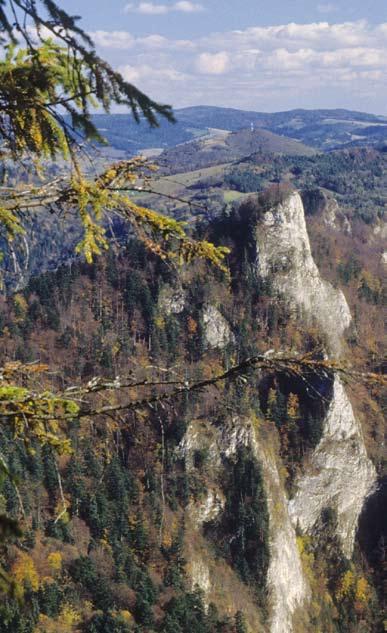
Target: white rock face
[(208, 509), (217, 331), (334, 218), (200, 576), (339, 474), (330, 214), (172, 300), (284, 255), (286, 581), (380, 230), (287, 584)]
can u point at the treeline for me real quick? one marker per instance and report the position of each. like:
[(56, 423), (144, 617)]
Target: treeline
[(358, 178)]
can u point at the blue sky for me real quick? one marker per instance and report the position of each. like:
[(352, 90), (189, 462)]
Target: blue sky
[(267, 56)]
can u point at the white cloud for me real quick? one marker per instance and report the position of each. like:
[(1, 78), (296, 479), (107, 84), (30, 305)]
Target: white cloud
[(123, 40), (146, 72), (273, 67), (320, 35), (213, 64), (163, 43), (151, 8), (306, 58), (147, 8), (113, 39), (381, 30), (282, 60), (355, 58), (188, 7)]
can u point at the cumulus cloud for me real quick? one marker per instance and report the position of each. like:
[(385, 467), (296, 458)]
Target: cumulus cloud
[(147, 72), (162, 43), (122, 40), (307, 59), (113, 39), (271, 67), (188, 7), (151, 8), (320, 35), (213, 64)]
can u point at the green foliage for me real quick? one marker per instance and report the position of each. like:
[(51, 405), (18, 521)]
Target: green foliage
[(34, 417), (101, 623), (347, 601), (137, 293), (50, 599), (243, 532), (186, 613), (244, 180), (349, 270), (30, 81), (240, 623), (357, 178), (10, 223), (299, 419), (55, 75), (14, 619), (175, 571), (126, 490), (84, 572)]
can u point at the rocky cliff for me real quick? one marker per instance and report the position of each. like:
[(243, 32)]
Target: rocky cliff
[(338, 474), (226, 488), (288, 587), (284, 256)]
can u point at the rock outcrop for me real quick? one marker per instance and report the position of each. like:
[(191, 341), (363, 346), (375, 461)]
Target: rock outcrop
[(338, 473), (284, 257), (288, 587), (172, 299), (217, 332), (319, 202)]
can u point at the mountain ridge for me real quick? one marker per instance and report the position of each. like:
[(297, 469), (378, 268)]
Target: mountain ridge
[(311, 112), (323, 129)]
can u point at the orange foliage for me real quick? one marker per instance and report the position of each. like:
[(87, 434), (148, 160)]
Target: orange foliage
[(192, 326)]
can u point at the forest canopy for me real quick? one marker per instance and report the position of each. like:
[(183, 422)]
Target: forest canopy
[(51, 80)]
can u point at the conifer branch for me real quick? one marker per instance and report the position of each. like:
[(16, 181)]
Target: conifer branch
[(285, 365)]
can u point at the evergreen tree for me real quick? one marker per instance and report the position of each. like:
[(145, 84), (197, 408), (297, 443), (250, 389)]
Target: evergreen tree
[(240, 623)]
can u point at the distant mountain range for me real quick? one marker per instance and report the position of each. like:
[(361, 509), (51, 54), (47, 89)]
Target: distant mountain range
[(320, 129), (220, 146)]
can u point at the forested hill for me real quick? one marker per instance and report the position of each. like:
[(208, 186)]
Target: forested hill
[(322, 129), (177, 518), (191, 378), (229, 147)]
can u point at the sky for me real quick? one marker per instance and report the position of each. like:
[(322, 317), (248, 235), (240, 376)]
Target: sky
[(264, 56)]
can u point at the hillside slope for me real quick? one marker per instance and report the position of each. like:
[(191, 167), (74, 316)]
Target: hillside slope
[(222, 147), (234, 509)]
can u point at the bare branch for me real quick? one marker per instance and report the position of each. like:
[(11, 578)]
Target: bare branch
[(289, 365)]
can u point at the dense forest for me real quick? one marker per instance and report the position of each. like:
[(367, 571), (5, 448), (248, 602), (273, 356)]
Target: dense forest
[(107, 527), (191, 398)]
